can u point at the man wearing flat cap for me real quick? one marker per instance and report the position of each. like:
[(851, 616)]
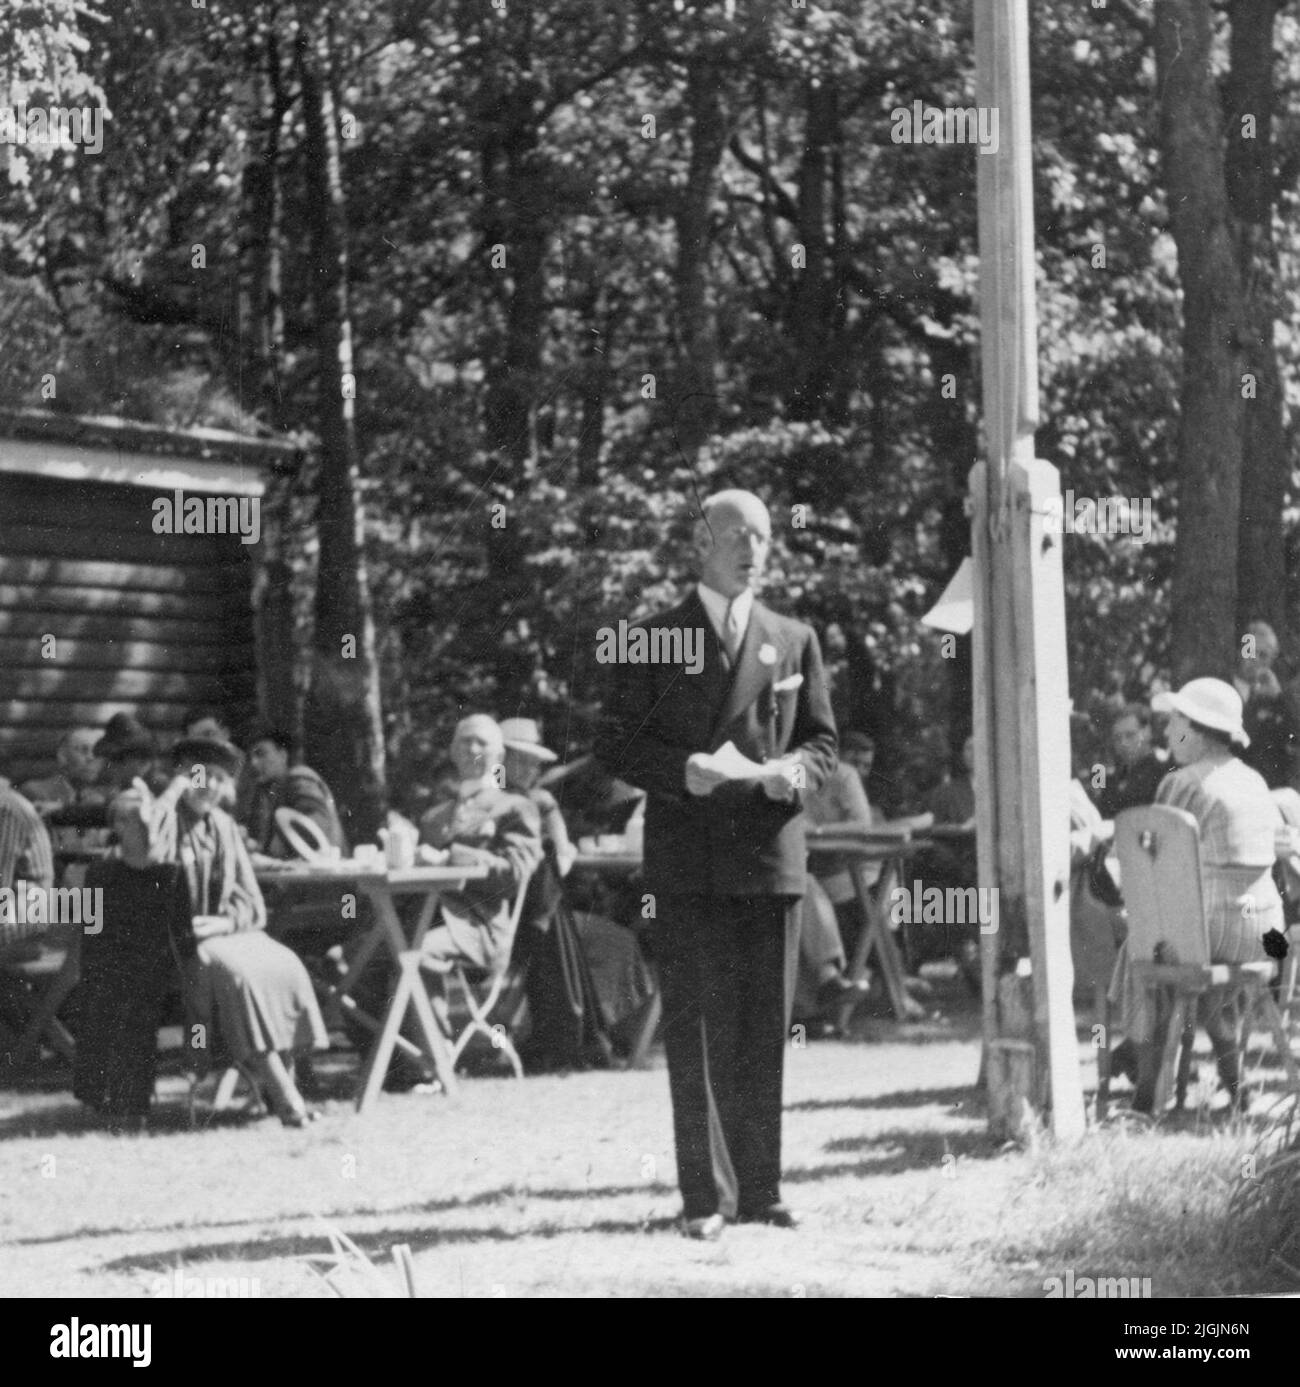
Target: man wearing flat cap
[(725, 853)]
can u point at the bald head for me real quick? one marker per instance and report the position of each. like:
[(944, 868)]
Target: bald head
[(732, 539), (477, 746)]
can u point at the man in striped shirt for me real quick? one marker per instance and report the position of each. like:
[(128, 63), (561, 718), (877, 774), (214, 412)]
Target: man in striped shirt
[(26, 860), (25, 852)]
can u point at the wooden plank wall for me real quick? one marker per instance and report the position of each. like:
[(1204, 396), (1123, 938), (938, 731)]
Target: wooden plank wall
[(142, 623)]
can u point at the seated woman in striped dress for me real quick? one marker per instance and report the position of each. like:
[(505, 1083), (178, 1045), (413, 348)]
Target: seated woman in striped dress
[(255, 991)]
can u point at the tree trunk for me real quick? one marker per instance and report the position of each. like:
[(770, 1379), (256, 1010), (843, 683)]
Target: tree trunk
[(839, 374), (593, 384), (1210, 425), (516, 213), (813, 288), (343, 721), (695, 402), (1249, 97), (261, 252), (518, 220)]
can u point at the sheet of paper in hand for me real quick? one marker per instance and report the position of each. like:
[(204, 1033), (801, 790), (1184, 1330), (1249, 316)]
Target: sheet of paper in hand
[(732, 764)]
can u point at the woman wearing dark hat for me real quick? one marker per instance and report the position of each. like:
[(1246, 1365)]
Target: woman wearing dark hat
[(128, 751), (255, 990)]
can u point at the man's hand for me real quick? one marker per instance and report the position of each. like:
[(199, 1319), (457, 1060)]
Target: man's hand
[(458, 855), (701, 777), (778, 779)]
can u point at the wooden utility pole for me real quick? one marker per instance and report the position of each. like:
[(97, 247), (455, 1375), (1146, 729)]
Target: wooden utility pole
[(1022, 738)]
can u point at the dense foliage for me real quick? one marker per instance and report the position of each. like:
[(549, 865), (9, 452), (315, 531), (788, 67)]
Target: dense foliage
[(603, 258)]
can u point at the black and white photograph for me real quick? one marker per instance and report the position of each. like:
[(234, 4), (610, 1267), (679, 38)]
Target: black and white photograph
[(650, 649)]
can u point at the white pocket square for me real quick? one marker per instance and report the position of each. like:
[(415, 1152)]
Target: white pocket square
[(788, 685)]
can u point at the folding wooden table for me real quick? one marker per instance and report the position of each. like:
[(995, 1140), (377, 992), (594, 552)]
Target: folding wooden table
[(382, 887), (859, 849)]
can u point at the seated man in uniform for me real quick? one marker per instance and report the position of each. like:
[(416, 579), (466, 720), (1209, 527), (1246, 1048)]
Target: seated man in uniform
[(282, 783), (483, 825)]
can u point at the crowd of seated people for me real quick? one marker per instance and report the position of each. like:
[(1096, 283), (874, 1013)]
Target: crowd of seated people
[(490, 809), (245, 991)]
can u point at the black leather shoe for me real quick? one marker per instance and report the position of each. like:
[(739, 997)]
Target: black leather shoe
[(1124, 1062), (704, 1230), (834, 992), (301, 1119), (774, 1215)]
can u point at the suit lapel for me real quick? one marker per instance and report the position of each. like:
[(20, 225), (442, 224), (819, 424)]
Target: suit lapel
[(714, 679), (750, 675)]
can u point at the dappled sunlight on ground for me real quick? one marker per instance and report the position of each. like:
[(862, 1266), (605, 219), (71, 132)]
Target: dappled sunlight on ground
[(565, 1185)]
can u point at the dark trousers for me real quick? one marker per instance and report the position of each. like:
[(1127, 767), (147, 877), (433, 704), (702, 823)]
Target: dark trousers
[(727, 967)]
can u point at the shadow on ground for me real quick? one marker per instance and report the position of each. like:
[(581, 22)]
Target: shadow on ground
[(895, 1153), (968, 1098)]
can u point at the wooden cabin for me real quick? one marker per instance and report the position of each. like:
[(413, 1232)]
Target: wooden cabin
[(101, 610)]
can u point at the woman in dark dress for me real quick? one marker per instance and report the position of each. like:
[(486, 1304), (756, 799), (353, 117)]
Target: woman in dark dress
[(255, 991)]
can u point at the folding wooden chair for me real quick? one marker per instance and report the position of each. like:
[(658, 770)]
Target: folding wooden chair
[(1169, 948), (481, 990), (39, 974)]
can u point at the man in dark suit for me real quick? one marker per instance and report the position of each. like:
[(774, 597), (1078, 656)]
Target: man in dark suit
[(724, 858), (1138, 770), (283, 782)]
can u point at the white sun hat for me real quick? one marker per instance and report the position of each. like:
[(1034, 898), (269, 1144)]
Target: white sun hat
[(524, 735), (1208, 702)]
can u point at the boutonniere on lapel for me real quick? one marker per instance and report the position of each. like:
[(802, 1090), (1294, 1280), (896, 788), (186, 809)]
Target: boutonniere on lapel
[(776, 686), (767, 654), (780, 686)]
